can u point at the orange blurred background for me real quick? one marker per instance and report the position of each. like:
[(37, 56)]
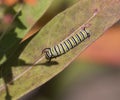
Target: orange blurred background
[(12, 2), (106, 49)]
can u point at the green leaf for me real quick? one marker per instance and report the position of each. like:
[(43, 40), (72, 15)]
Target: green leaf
[(30, 70), (24, 20)]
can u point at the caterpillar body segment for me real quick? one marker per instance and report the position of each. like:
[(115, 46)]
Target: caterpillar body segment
[(66, 45)]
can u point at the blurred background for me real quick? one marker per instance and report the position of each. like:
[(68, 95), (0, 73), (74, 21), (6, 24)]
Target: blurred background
[(94, 75)]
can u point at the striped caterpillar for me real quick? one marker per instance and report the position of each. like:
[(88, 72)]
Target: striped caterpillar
[(69, 43), (66, 45)]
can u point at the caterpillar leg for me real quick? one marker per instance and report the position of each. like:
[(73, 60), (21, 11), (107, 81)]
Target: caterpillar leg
[(49, 60)]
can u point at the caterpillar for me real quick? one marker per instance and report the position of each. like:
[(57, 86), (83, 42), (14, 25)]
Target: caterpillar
[(65, 45)]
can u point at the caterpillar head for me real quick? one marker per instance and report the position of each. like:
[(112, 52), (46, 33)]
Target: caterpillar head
[(47, 54)]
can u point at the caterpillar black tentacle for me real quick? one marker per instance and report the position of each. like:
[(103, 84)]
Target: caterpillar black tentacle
[(66, 45)]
